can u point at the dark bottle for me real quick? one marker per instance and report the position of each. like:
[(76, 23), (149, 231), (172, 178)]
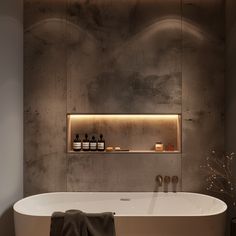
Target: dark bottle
[(101, 143), (77, 143), (93, 144), (86, 143)]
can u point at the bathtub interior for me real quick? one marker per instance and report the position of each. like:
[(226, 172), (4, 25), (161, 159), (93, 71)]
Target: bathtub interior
[(123, 204)]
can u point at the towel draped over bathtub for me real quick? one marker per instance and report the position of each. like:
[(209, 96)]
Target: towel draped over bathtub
[(78, 223)]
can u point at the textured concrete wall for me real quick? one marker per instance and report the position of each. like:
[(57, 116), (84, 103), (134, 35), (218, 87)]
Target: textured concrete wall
[(230, 76), (11, 116), (202, 86), (230, 101), (120, 57)]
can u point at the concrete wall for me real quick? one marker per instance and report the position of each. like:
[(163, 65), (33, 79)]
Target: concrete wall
[(202, 87), (230, 75), (121, 57), (230, 101), (11, 116)]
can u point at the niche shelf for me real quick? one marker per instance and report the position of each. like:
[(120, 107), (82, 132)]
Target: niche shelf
[(134, 133)]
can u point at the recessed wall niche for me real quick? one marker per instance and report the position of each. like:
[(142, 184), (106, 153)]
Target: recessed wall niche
[(130, 132)]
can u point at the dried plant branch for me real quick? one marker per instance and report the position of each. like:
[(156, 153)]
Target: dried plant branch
[(219, 179)]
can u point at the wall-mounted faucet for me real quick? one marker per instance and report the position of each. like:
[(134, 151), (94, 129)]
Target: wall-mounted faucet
[(159, 180), (175, 179), (166, 181)]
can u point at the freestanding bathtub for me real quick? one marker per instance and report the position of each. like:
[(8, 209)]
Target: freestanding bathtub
[(136, 214)]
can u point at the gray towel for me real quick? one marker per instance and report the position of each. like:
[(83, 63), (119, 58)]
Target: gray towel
[(78, 223)]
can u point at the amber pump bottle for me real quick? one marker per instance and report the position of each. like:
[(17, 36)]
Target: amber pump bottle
[(77, 144), (93, 144), (101, 143), (86, 143)]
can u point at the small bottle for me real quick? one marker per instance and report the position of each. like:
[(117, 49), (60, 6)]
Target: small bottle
[(101, 143), (93, 144), (77, 144), (86, 143)]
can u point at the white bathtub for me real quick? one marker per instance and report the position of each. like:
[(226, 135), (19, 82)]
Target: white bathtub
[(137, 214)]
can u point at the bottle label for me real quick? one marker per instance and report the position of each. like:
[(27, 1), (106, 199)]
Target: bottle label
[(77, 145), (86, 145), (93, 146), (101, 146)]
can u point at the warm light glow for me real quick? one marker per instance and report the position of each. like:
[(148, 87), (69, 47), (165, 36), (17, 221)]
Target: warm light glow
[(151, 127), (123, 116)]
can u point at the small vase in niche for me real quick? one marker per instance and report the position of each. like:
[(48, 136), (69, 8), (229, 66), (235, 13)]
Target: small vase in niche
[(159, 147)]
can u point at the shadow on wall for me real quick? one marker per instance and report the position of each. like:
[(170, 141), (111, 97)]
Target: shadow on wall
[(7, 218)]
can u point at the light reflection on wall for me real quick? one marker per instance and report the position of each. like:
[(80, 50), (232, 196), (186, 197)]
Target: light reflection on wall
[(132, 131), (53, 26), (123, 116)]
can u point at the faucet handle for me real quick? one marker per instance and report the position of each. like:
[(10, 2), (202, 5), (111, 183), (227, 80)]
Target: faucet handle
[(167, 179), (175, 179)]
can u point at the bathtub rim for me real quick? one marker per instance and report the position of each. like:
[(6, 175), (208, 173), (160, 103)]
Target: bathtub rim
[(223, 210)]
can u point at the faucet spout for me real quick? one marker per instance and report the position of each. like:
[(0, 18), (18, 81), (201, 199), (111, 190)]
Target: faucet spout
[(159, 180)]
